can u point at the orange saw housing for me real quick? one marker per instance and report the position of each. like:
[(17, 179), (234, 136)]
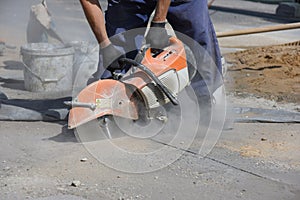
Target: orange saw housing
[(124, 97)]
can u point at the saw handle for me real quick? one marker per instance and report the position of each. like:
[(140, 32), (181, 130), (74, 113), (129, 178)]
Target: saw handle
[(145, 69), (80, 104)]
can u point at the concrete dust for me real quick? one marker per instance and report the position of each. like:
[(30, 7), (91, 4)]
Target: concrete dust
[(40, 160)]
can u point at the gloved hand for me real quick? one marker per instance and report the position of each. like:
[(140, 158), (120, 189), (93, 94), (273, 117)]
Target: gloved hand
[(111, 55), (157, 36)]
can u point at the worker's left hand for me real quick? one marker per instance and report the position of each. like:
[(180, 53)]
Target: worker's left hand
[(157, 36), (111, 56)]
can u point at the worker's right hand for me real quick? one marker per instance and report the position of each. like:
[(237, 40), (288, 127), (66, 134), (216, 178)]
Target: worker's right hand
[(157, 36), (111, 56)]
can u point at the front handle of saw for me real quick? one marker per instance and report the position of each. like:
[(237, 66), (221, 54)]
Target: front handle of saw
[(142, 67)]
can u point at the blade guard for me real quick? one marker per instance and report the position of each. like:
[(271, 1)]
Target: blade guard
[(105, 97)]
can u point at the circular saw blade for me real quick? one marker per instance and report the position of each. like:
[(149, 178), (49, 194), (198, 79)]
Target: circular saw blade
[(165, 119)]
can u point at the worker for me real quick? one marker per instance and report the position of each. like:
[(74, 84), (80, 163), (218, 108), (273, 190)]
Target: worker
[(189, 17)]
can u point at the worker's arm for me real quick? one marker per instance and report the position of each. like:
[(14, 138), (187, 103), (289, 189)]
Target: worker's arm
[(95, 17), (161, 11)]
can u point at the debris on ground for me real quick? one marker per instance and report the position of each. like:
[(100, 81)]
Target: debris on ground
[(76, 183), (83, 159), (271, 72)]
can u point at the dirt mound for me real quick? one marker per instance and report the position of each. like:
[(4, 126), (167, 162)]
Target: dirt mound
[(272, 72)]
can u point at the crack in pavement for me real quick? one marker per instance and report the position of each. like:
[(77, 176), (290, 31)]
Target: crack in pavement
[(223, 163)]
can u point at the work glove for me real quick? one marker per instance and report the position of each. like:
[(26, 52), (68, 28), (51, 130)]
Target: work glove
[(157, 36), (111, 56)]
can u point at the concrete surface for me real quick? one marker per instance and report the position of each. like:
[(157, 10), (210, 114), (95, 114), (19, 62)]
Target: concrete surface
[(40, 160)]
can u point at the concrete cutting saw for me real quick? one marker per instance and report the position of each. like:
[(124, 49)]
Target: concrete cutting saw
[(155, 79)]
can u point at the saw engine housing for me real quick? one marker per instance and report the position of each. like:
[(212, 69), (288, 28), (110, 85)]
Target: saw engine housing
[(154, 79)]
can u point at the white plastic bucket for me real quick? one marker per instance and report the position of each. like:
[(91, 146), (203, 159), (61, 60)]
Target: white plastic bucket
[(48, 67)]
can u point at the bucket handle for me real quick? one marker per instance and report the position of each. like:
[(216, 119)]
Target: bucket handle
[(45, 80)]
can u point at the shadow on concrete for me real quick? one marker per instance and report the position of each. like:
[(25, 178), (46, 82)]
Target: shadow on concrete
[(51, 110), (13, 65), (12, 83), (66, 135), (3, 96), (266, 16)]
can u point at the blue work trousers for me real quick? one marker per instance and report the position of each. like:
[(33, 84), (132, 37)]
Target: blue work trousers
[(189, 17)]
